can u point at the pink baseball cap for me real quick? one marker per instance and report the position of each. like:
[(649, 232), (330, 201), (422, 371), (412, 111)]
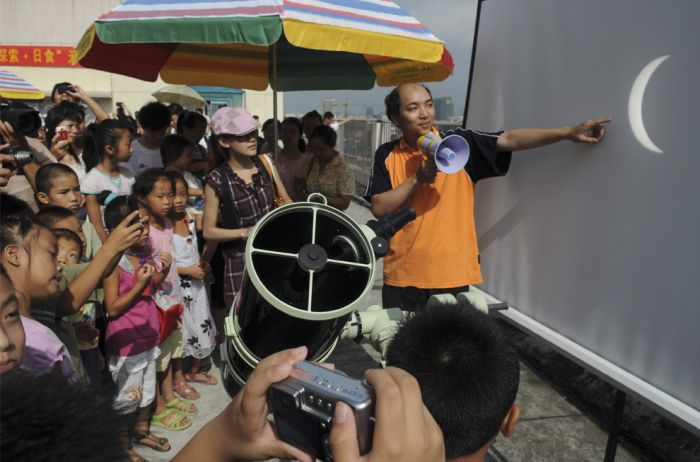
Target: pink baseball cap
[(235, 121)]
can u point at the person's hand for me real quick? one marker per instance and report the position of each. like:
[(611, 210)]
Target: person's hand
[(590, 131), (59, 149), (12, 138), (250, 435), (78, 92), (125, 234), (404, 431), (8, 166), (427, 172), (197, 272), (144, 275), (87, 333)]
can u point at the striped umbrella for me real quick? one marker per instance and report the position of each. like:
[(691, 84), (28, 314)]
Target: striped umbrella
[(14, 87), (288, 44)]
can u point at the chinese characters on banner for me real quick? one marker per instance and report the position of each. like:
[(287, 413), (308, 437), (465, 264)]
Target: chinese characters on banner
[(40, 56)]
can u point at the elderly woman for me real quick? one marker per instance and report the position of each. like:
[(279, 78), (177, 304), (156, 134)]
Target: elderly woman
[(325, 171)]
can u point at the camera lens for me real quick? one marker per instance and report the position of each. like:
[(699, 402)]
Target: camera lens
[(23, 158)]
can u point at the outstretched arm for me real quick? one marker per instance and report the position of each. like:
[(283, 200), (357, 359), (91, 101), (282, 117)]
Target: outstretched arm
[(519, 139)]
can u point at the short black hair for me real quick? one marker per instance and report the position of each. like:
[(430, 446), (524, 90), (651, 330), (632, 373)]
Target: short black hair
[(53, 214), (467, 372), (328, 115), (154, 116), (48, 173), (118, 209), (190, 119), (147, 180), (62, 233), (392, 102), (325, 134), (57, 86), (172, 148), (44, 418), (312, 114)]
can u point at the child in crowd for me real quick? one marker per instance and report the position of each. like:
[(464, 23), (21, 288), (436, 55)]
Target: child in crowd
[(29, 258), (70, 250), (132, 333), (176, 152), (11, 329), (154, 190), (108, 145), (64, 125), (154, 119), (57, 185), (467, 372), (199, 333), (193, 126)]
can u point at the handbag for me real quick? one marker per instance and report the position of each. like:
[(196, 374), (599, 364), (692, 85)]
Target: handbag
[(278, 199)]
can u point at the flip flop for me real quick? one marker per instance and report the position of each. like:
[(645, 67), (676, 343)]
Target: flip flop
[(197, 378), (170, 419), (158, 445), (182, 406), (185, 391)]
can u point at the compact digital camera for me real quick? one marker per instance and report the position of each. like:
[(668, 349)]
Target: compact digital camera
[(303, 406)]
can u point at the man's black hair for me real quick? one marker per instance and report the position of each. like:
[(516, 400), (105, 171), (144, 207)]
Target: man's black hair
[(172, 148), (45, 418), (325, 134), (154, 116), (328, 115), (62, 233), (48, 173), (312, 114), (468, 374), (392, 102), (52, 214)]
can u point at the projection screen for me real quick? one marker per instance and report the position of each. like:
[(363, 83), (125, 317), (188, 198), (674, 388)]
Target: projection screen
[(596, 247)]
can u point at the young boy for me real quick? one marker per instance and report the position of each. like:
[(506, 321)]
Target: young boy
[(468, 376), (57, 186), (176, 152), (154, 119), (70, 249)]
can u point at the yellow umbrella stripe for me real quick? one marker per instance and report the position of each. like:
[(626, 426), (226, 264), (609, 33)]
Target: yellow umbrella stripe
[(335, 38)]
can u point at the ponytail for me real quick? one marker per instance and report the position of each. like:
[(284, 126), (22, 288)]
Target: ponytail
[(98, 137)]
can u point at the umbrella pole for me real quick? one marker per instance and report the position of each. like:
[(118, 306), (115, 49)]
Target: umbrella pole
[(274, 100)]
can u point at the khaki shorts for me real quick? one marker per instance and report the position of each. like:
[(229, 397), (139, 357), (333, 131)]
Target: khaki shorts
[(171, 348)]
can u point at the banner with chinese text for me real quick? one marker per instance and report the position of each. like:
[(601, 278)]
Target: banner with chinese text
[(36, 56)]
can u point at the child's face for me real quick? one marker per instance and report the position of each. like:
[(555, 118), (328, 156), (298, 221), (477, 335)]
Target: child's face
[(42, 266), (183, 162), (123, 148), (11, 329), (145, 218), (160, 200), (64, 191), (72, 224), (180, 198), (69, 252)]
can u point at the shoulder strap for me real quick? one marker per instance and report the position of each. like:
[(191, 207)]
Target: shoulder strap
[(229, 218), (271, 175)]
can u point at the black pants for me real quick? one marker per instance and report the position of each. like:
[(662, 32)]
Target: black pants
[(412, 298)]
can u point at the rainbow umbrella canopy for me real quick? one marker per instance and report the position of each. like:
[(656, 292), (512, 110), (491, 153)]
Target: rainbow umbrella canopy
[(290, 45), (14, 87)]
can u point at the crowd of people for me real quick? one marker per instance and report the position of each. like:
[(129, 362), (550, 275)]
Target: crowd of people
[(123, 244)]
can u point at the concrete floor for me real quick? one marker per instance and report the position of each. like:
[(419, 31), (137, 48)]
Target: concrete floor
[(550, 428)]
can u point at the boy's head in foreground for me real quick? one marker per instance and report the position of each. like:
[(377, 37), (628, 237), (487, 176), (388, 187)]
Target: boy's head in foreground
[(57, 184), (467, 373)]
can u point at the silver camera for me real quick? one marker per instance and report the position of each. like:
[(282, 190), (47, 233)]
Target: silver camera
[(303, 406)]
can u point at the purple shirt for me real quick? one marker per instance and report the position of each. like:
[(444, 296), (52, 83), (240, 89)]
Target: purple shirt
[(43, 350)]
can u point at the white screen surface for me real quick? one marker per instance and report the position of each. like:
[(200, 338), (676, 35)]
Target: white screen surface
[(598, 243)]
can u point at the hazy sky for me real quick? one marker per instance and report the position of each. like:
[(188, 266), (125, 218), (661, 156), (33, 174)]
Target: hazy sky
[(453, 23)]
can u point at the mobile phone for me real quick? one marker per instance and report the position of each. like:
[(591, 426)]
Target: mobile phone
[(62, 133)]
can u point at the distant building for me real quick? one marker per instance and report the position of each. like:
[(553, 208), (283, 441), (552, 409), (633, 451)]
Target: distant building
[(369, 112), (444, 108)]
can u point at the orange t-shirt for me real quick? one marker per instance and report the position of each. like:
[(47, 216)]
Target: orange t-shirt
[(438, 250)]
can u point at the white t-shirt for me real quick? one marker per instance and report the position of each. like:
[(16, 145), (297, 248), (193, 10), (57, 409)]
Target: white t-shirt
[(143, 158), (97, 181)]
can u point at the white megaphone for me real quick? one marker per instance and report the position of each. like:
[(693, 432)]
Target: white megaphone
[(451, 153)]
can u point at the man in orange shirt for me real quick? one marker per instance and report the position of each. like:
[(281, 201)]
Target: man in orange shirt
[(437, 252)]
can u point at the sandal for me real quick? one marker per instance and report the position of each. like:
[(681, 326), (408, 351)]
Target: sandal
[(152, 441), (186, 391), (201, 377), (170, 419), (182, 406), (135, 457)]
